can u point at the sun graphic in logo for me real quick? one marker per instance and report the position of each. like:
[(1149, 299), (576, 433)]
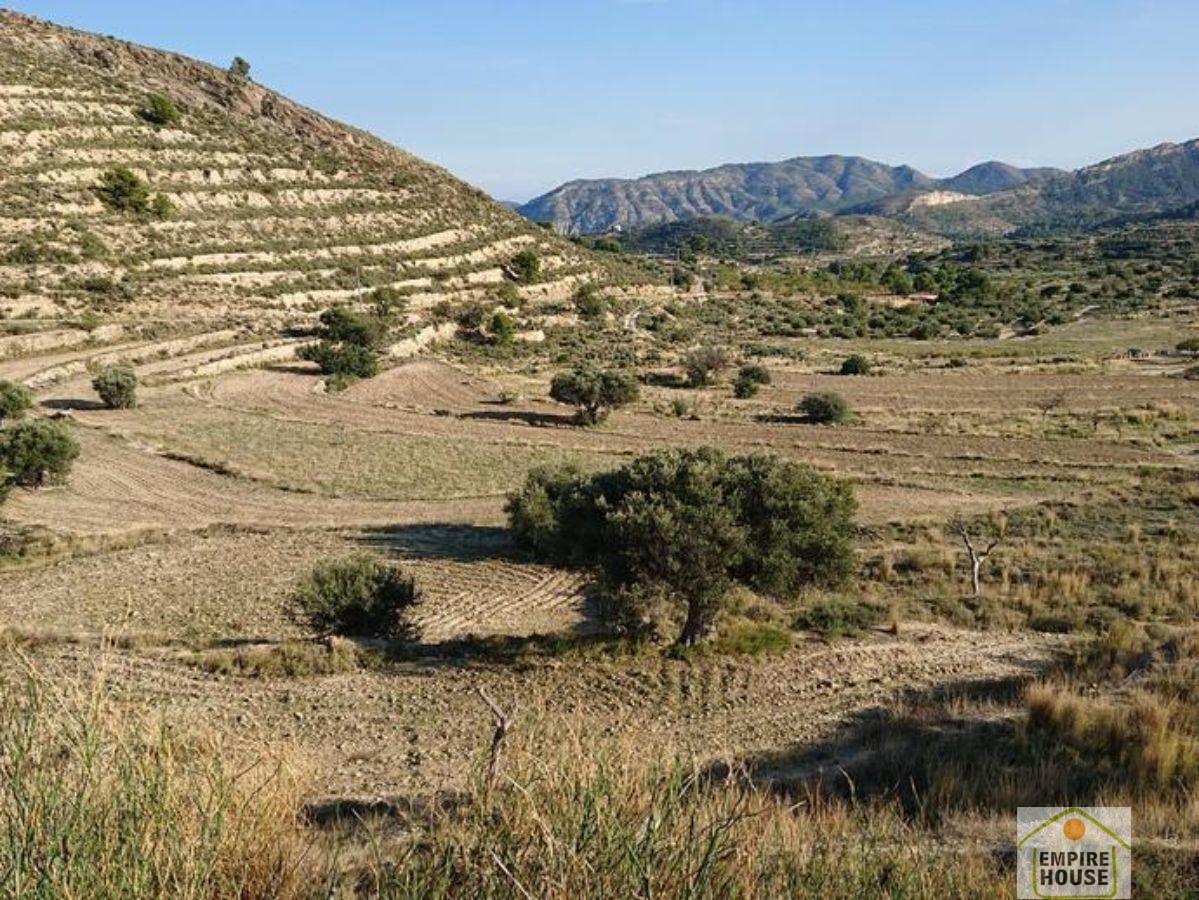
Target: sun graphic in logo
[(1074, 829)]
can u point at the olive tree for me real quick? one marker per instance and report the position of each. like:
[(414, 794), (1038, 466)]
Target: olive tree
[(358, 596), (349, 345), (38, 452), (682, 526), (595, 393), (703, 364)]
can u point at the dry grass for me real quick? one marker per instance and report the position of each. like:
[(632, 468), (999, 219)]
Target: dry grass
[(101, 806), (594, 819)]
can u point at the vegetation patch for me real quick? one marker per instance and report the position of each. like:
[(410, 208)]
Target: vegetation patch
[(357, 596), (676, 529)]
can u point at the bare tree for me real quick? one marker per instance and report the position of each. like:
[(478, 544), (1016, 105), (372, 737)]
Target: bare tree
[(977, 557), (503, 724)]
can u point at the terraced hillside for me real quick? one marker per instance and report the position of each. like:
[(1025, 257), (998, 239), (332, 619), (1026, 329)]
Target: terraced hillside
[(254, 213)]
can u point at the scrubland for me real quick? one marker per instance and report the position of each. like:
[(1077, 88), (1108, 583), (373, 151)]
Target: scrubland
[(171, 726)]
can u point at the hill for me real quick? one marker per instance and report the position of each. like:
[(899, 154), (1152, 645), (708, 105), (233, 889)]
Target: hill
[(993, 176), (1158, 181), (754, 191), (238, 206)]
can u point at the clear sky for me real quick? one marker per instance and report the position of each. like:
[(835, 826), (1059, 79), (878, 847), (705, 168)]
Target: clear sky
[(517, 96)]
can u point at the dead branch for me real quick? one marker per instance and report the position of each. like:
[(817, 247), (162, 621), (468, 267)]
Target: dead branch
[(503, 724)]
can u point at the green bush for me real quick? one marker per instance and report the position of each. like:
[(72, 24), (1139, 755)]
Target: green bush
[(357, 596), (342, 325), (680, 527), (349, 345), (38, 452), (15, 400), (525, 267), (750, 378), (509, 295), (825, 408), (344, 360), (1188, 345), (836, 617), (589, 303), (161, 207), (387, 303), (503, 329), (703, 364), (117, 387), (239, 68), (122, 190), (159, 110), (856, 365), (595, 393)]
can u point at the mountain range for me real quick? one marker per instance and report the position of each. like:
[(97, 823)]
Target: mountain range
[(991, 197)]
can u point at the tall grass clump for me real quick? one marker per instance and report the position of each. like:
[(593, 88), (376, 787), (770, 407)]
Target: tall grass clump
[(98, 806)]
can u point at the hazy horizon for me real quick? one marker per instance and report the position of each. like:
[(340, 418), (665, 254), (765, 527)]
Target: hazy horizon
[(518, 98)]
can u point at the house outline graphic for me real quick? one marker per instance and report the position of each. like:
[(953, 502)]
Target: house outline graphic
[(1083, 814)]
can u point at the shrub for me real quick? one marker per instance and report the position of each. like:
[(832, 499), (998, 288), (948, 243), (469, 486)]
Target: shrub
[(117, 387), (161, 207), (503, 329), (750, 378), (471, 316), (825, 408), (680, 527), (122, 190), (38, 452), (1188, 345), (342, 325), (15, 400), (159, 110), (835, 617), (386, 303), (358, 596), (596, 393), (508, 294), (856, 365), (349, 345), (345, 360), (525, 267), (239, 68), (704, 363), (589, 303)]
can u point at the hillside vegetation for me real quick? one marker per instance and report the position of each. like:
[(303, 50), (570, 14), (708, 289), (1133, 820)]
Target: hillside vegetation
[(142, 187)]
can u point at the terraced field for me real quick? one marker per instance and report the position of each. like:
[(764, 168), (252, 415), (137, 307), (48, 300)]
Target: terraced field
[(275, 214)]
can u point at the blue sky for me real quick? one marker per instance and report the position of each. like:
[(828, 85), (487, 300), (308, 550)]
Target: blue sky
[(517, 96)]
